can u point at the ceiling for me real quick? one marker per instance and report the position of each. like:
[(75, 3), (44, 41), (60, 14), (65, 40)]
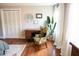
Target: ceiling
[(26, 4)]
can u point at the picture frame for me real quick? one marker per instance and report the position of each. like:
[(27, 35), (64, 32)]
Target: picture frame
[(28, 17), (35, 22), (38, 15)]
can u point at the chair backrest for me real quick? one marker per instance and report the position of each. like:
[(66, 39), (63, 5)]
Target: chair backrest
[(43, 31)]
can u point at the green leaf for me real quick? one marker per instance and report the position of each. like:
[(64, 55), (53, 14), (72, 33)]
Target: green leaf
[(52, 31), (48, 19), (54, 26), (52, 20)]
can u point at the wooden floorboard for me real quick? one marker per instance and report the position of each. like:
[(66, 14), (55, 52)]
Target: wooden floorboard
[(14, 40), (32, 50)]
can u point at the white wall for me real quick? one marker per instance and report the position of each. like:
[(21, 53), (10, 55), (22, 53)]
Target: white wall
[(45, 10)]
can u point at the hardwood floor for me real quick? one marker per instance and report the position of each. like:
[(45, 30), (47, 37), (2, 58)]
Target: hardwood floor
[(33, 50), (14, 40)]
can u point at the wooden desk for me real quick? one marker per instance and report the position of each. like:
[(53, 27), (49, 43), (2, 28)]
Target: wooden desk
[(29, 34)]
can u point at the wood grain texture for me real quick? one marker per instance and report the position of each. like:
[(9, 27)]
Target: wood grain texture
[(14, 40), (33, 50)]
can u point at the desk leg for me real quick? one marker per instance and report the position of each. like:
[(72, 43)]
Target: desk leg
[(46, 44)]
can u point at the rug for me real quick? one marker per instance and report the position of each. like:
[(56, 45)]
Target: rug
[(15, 50)]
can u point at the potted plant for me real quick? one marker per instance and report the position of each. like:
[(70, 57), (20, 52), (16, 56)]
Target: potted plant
[(50, 24)]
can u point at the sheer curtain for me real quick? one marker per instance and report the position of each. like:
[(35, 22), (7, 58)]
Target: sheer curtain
[(67, 29), (63, 32), (59, 18), (74, 23), (72, 33)]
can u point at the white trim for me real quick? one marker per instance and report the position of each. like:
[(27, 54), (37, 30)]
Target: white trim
[(20, 19), (20, 23), (2, 19)]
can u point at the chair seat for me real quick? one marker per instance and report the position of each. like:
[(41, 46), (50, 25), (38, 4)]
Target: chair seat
[(40, 40)]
